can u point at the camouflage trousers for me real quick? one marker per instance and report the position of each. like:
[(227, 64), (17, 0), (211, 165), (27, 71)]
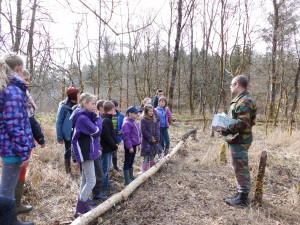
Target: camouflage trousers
[(239, 160)]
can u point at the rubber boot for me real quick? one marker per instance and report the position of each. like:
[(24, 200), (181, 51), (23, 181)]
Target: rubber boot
[(115, 163), (126, 177), (145, 167), (131, 174), (241, 199), (151, 164), (166, 152), (15, 221), (81, 208), (99, 197), (68, 165), (21, 208)]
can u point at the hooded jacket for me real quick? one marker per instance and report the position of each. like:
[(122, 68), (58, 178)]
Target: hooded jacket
[(16, 138), (130, 133), (87, 131), (63, 122)]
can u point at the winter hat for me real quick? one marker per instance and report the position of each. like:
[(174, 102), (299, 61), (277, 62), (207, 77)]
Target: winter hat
[(72, 93)]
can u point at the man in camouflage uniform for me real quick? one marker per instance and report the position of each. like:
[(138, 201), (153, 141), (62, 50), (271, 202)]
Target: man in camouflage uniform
[(243, 111)]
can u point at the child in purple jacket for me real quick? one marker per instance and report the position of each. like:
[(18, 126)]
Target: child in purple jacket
[(86, 147), (150, 138), (131, 138)]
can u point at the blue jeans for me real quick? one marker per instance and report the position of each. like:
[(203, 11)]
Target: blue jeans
[(9, 178), (99, 176), (129, 158), (105, 161), (7, 208), (68, 149), (164, 138)]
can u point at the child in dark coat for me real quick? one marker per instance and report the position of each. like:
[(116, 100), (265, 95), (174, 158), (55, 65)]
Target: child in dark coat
[(150, 138), (131, 138), (108, 142)]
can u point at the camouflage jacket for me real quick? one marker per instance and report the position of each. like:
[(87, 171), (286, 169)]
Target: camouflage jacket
[(243, 111)]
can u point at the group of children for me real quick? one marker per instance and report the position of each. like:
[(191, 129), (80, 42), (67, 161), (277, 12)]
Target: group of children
[(98, 129), (91, 130)]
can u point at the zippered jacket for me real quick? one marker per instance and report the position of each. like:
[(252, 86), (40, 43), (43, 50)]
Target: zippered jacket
[(87, 131), (130, 133), (16, 137)]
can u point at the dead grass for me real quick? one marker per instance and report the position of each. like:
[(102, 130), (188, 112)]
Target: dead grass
[(188, 190)]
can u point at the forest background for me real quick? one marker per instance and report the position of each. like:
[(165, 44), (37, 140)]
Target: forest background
[(127, 49)]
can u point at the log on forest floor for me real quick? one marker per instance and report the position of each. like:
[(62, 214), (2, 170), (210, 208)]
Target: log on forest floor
[(127, 191)]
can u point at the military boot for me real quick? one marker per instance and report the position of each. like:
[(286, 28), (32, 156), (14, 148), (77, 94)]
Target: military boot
[(241, 199)]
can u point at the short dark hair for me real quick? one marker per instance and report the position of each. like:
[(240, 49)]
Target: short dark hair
[(115, 102), (242, 80), (159, 91), (100, 104), (108, 105)]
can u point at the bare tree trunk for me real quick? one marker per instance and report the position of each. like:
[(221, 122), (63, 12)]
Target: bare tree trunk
[(282, 75), (127, 81), (169, 50), (99, 54), (294, 106), (273, 60), (176, 53), (0, 20), (30, 40), (17, 43), (192, 82)]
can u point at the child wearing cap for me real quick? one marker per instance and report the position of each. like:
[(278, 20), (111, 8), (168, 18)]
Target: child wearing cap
[(131, 138), (64, 124)]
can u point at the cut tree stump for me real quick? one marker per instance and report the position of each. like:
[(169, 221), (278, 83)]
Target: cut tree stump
[(127, 191), (258, 195)]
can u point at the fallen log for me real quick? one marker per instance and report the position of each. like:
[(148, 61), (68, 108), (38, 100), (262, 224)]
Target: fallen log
[(127, 191)]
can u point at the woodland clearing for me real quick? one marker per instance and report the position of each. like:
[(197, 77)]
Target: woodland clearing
[(189, 189)]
